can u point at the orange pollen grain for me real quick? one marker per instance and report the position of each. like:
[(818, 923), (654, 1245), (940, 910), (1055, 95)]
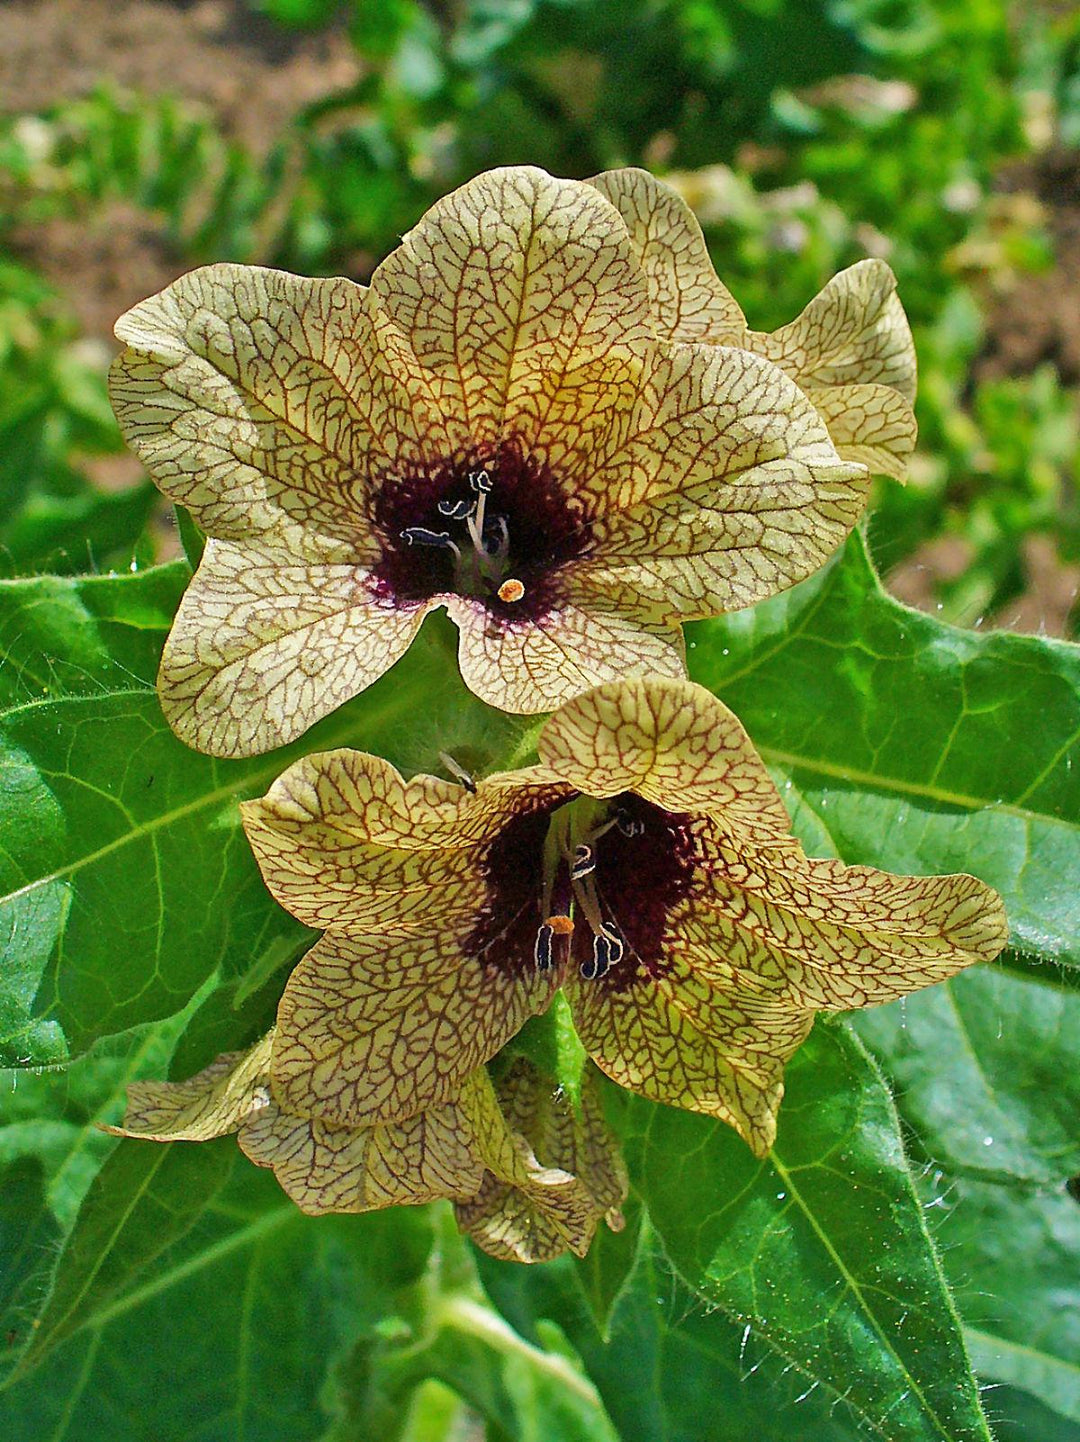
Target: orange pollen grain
[(511, 590), (560, 925)]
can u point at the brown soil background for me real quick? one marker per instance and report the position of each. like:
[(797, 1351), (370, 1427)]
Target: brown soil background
[(253, 76)]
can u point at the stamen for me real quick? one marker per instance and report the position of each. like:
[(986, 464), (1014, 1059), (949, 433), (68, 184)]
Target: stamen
[(480, 482), (584, 863), (421, 536), (542, 948), (511, 590), (457, 771), (501, 548), (587, 899), (607, 952), (629, 825), (459, 510), (475, 522)]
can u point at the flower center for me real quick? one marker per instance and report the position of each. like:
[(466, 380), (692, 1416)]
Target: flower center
[(481, 554), (570, 860), (497, 528), (587, 882)]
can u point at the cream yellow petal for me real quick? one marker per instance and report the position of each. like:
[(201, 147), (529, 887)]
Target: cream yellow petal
[(680, 1040), (672, 742), (210, 1104), (377, 1028), (730, 938), (264, 646), (727, 489), (509, 1223), (871, 424), (577, 1139), (539, 665), (819, 934), (343, 840), (261, 402), (505, 289), (328, 1168), (526, 1211), (855, 331), (853, 334), (688, 300)]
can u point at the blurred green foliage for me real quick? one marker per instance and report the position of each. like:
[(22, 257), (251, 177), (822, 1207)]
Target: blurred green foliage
[(806, 133), (54, 412)]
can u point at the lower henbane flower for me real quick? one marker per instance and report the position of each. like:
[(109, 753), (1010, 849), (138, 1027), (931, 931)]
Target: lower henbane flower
[(646, 866), (479, 1150)]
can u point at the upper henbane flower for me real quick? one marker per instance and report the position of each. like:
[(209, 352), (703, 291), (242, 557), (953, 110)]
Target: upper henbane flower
[(850, 351), (646, 865), (507, 423)]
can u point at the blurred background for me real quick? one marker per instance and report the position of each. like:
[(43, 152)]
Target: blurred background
[(139, 138)]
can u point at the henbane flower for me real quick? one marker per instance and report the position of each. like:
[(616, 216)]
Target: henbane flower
[(645, 865), (850, 351), (512, 1180), (503, 423)]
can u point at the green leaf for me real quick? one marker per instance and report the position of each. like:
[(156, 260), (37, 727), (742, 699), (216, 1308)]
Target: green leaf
[(525, 1391), (141, 1203), (528, 1390), (987, 1082), (822, 1249), (552, 1044), (29, 1234), (79, 529), (986, 1074), (88, 635), (246, 1313), (52, 1154), (918, 747), (669, 1367), (270, 1324), (604, 1272), (1018, 1417), (1014, 1258), (125, 876)]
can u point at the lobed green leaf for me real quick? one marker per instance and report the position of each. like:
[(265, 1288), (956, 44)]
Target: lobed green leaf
[(821, 1250)]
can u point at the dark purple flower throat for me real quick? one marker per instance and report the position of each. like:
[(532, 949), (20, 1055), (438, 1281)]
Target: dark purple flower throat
[(588, 883), (497, 527)]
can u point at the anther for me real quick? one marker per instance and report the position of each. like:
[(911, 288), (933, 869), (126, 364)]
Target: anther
[(421, 536), (629, 825), (480, 481), (511, 590), (584, 863), (457, 771), (542, 948), (502, 542), (457, 510), (607, 951)]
